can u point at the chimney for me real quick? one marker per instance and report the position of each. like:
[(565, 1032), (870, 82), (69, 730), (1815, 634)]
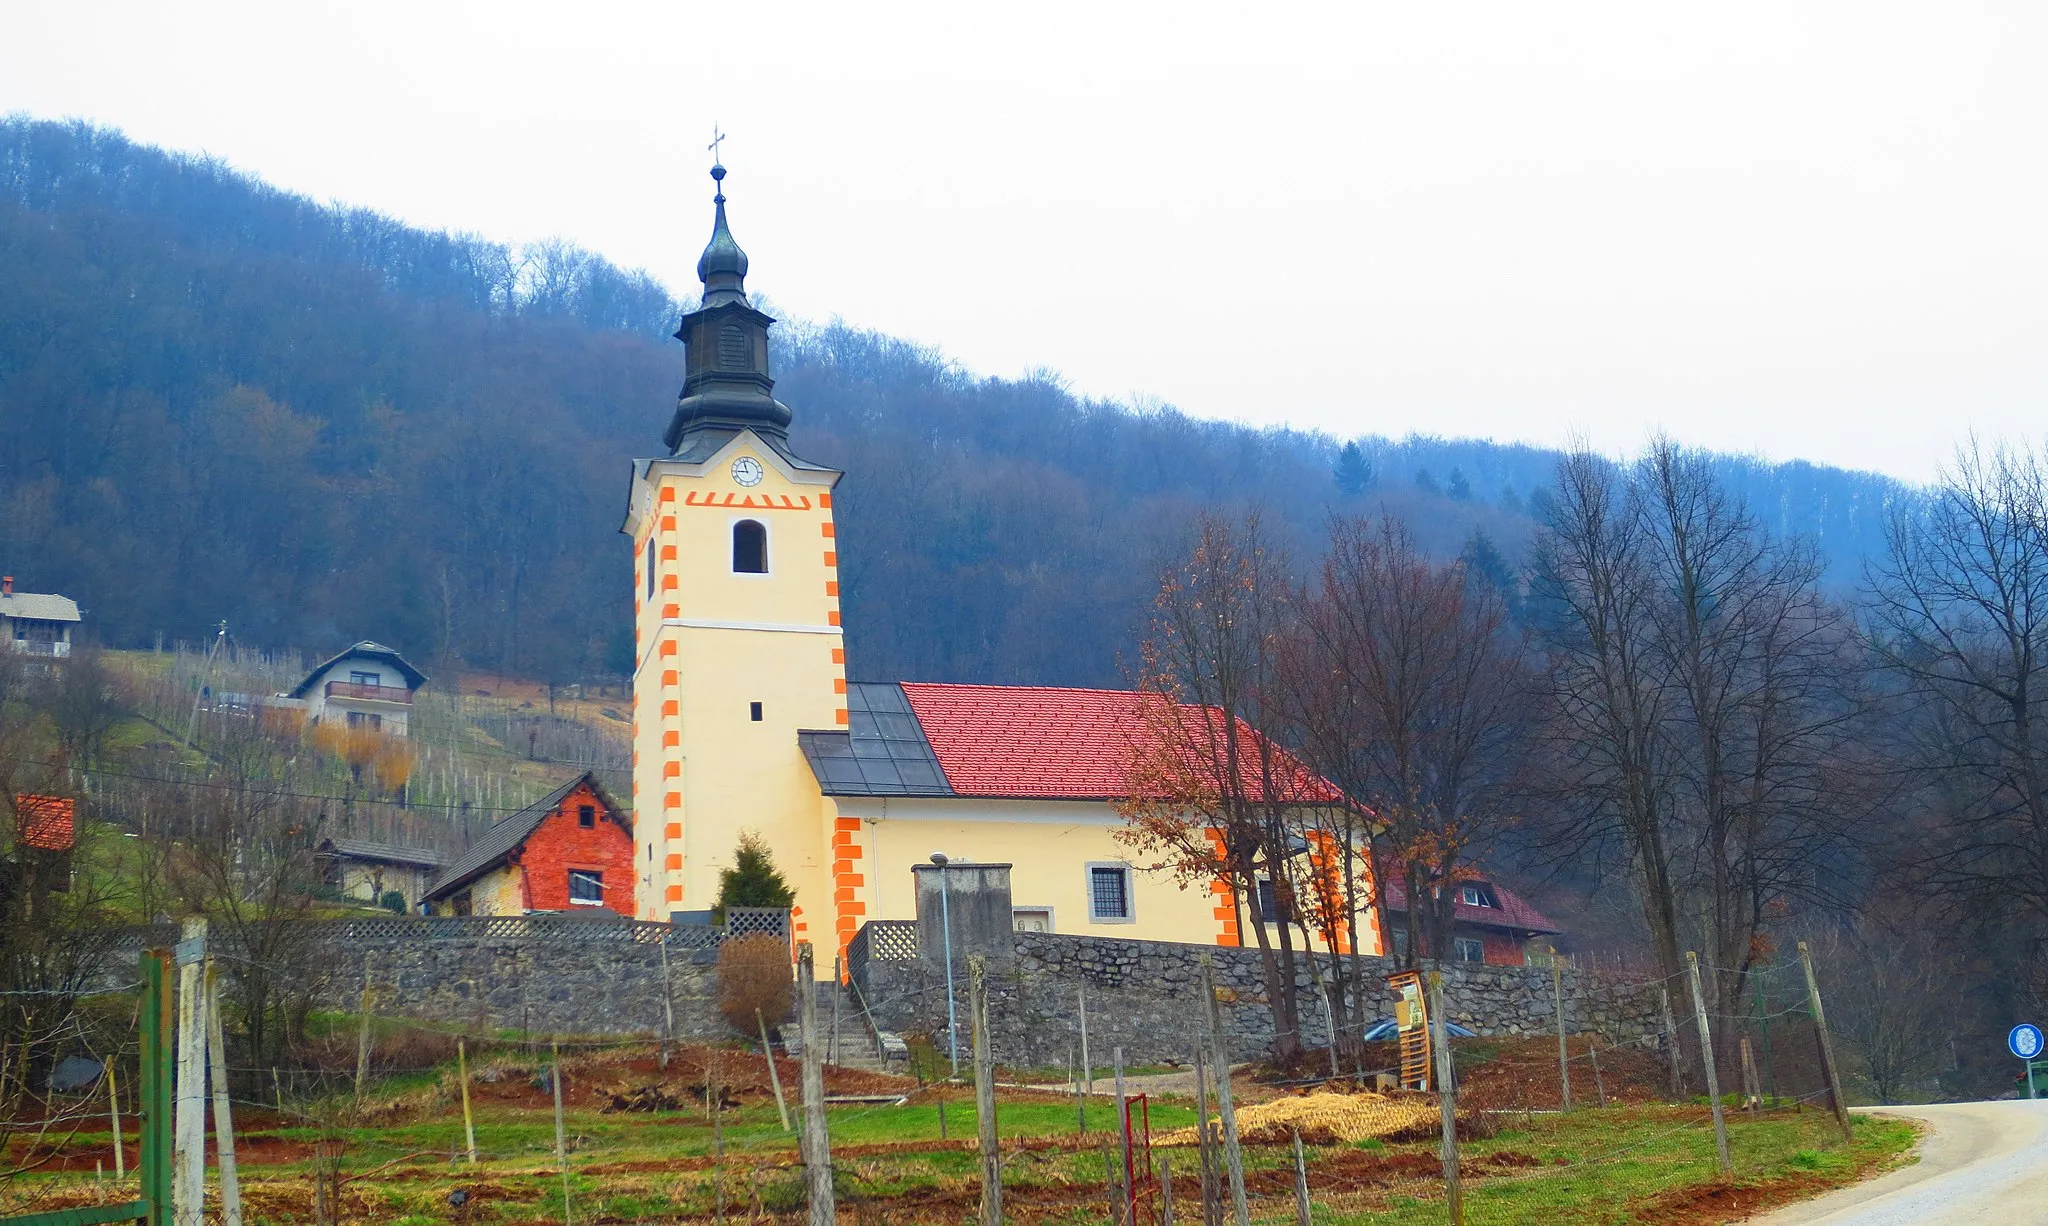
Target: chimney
[(6, 585)]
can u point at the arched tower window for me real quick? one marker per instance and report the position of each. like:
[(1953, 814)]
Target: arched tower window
[(749, 548)]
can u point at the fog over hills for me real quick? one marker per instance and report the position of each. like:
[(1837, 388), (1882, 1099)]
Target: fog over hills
[(222, 401)]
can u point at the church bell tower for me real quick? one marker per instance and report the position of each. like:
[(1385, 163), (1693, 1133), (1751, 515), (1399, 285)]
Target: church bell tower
[(736, 619)]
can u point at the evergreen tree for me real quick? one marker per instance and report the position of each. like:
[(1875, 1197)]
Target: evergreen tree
[(1484, 563), (1425, 482), (1460, 488), (1353, 473), (753, 880)]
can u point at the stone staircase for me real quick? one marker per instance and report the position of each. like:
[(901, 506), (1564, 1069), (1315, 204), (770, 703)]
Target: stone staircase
[(857, 1047)]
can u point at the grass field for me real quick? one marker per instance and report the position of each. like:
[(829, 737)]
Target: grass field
[(400, 1158)]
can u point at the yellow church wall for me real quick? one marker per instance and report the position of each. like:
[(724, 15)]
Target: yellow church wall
[(712, 642), (1049, 845)]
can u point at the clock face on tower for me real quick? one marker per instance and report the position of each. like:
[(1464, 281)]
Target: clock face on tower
[(747, 470)]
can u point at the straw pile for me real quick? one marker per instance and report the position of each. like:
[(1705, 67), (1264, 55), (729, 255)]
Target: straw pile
[(1327, 1119)]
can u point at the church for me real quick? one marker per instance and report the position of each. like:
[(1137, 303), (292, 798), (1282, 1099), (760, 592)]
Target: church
[(744, 718)]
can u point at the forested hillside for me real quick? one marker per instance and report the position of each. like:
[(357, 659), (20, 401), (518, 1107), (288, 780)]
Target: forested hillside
[(221, 401)]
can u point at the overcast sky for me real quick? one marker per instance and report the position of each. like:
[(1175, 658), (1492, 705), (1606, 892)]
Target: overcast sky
[(1801, 230)]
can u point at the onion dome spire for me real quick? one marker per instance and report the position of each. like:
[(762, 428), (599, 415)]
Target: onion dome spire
[(723, 266), (727, 386)]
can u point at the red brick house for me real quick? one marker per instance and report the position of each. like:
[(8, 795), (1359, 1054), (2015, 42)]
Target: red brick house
[(570, 851), (1489, 923)]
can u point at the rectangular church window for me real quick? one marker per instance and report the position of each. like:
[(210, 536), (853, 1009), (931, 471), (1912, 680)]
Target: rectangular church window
[(1109, 893)]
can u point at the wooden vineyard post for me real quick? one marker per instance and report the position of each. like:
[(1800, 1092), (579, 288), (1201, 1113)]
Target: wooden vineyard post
[(985, 1092), (188, 1191), (1751, 1097), (223, 1111), (1233, 1156), (561, 1137), (1123, 1133), (1165, 1191), (1301, 1217), (114, 1116), (668, 1003), (1827, 1046), (468, 1121), (1671, 1041), (1699, 1012), (1080, 1099), (817, 1137), (363, 1034), (774, 1078), (1599, 1085), (1564, 1062), (1087, 1070), (1447, 1099), (1205, 1138)]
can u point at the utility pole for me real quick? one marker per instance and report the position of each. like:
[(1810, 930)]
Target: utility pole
[(817, 1138), (1233, 1156), (1827, 1046), (1699, 1013), (985, 1092)]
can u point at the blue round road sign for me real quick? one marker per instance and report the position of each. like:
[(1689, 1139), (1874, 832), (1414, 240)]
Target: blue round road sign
[(2024, 1041)]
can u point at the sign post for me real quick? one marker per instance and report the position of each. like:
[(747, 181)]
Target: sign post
[(2025, 1042)]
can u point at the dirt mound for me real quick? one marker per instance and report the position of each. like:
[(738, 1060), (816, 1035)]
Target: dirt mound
[(1327, 1119)]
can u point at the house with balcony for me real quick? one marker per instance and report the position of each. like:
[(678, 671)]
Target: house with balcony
[(36, 623), (368, 685)]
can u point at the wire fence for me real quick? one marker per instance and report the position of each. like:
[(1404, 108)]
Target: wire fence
[(704, 1131)]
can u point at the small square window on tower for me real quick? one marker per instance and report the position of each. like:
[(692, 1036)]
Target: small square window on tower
[(754, 711)]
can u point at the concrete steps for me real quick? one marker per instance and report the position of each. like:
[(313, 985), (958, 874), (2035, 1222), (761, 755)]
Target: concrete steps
[(856, 1046)]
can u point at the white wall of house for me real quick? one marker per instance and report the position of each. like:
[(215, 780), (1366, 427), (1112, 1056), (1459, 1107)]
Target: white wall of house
[(389, 717)]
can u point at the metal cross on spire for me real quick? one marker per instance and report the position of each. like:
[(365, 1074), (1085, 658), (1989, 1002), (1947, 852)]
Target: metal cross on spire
[(717, 139)]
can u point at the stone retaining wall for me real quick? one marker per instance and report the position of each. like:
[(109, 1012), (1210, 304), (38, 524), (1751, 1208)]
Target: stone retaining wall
[(1146, 996), (547, 987)]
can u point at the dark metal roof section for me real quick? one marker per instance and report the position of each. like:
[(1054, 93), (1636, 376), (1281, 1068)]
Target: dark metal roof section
[(726, 385), (882, 752), (510, 832), (414, 678)]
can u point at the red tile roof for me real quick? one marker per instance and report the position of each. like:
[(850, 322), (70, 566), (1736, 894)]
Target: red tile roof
[(47, 822), (1038, 741), (1514, 910)]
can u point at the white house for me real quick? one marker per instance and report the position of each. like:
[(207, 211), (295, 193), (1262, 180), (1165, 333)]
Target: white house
[(367, 686), (34, 623)]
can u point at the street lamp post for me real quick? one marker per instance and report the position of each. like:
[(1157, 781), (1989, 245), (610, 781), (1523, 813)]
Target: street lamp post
[(946, 926)]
